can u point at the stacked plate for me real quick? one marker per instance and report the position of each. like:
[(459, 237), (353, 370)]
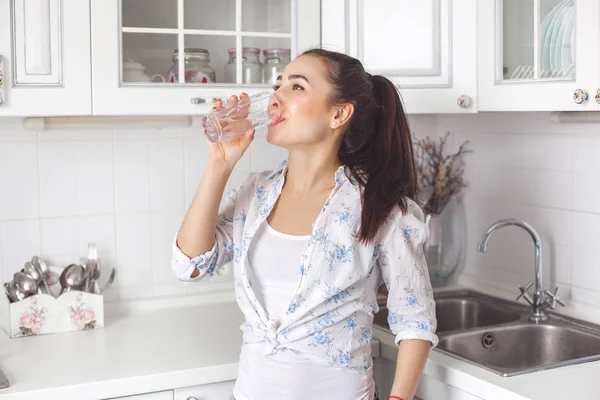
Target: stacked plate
[(557, 33), (557, 43)]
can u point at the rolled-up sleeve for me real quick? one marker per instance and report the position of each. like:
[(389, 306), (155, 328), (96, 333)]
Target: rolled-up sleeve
[(411, 307), (221, 252)]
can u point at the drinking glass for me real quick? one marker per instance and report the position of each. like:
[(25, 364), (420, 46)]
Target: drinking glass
[(236, 119)]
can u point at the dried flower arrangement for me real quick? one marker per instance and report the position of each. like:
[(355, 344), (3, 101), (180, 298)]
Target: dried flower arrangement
[(439, 176)]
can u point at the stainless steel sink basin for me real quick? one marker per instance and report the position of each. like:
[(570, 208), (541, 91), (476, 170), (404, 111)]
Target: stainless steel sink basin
[(497, 335), (524, 347), (460, 310)]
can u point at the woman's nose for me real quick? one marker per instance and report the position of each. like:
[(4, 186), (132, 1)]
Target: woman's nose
[(274, 103)]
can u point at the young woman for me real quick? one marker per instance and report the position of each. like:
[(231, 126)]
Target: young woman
[(312, 240)]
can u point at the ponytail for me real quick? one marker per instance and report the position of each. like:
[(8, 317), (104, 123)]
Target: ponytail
[(377, 146)]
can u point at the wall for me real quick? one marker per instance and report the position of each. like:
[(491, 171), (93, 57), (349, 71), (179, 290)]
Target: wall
[(126, 190), (547, 174)]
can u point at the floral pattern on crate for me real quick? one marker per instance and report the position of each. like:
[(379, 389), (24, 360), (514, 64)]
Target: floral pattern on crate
[(30, 322), (82, 316)]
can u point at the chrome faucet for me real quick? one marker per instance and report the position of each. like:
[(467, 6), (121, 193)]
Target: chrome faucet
[(542, 299)]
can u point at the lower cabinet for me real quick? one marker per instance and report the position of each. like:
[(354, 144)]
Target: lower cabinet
[(162, 395), (212, 391), (432, 389)]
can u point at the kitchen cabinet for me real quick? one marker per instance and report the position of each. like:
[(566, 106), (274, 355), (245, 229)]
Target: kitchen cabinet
[(214, 391), (428, 48), (432, 389), (45, 58), (151, 34), (538, 55), (384, 368), (162, 395)]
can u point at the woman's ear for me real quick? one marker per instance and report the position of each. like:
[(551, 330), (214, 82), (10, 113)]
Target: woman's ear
[(342, 115)]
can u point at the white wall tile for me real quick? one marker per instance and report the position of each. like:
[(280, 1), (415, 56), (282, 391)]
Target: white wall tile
[(166, 175), (20, 242), (586, 192), (586, 151), (263, 156), (96, 183), (12, 131), (586, 230), (59, 241), (58, 179), (133, 250), (19, 184), (196, 156), (132, 176), (164, 226), (585, 296), (586, 269)]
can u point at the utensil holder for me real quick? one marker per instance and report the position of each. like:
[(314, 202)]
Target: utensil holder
[(43, 314)]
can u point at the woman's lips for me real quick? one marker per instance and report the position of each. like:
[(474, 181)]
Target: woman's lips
[(277, 120)]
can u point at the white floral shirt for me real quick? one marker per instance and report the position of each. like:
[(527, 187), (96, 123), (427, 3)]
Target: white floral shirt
[(329, 319)]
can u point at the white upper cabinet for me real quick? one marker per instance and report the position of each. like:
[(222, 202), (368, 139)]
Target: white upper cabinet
[(538, 55), (44, 57), (136, 48), (427, 47)]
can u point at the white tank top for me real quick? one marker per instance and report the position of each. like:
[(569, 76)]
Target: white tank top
[(274, 266)]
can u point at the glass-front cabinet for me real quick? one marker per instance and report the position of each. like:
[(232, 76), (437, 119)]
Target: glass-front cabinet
[(538, 55), (176, 56)]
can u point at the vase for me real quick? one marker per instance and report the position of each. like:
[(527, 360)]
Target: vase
[(445, 246)]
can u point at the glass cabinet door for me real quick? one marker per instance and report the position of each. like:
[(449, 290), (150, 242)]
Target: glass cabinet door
[(537, 55), (197, 42), (538, 40)]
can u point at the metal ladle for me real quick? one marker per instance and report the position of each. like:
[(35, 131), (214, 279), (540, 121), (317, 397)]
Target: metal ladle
[(44, 271)]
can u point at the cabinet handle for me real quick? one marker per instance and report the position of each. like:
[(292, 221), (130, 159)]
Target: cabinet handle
[(464, 101), (1, 82), (579, 96), (192, 398), (197, 100), (598, 96)]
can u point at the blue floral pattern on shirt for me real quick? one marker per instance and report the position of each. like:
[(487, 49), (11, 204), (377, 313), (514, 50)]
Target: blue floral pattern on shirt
[(329, 319)]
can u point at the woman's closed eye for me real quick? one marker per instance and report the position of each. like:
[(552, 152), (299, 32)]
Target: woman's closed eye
[(294, 87)]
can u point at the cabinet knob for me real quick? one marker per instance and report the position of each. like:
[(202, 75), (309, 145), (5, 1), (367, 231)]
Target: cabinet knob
[(579, 96), (598, 96), (464, 101), (1, 77), (197, 100)]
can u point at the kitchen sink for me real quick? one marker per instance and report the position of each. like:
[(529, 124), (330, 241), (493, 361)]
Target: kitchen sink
[(460, 310), (497, 334)]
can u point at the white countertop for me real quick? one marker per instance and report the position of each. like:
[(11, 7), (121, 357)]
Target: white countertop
[(179, 347), (134, 354)]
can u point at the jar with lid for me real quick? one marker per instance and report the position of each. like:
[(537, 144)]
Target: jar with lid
[(197, 66), (252, 68), (275, 62)]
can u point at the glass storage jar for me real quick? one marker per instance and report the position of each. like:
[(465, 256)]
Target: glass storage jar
[(197, 67), (275, 62), (251, 66)]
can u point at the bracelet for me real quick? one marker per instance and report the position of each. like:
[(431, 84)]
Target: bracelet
[(394, 397)]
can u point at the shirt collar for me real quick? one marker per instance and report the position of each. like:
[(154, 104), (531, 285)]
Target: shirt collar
[(340, 174)]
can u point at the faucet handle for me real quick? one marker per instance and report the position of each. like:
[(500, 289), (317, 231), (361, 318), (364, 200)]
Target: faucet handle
[(525, 293), (554, 297)]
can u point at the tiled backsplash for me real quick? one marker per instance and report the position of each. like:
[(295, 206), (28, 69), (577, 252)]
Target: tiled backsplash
[(547, 174), (126, 190)]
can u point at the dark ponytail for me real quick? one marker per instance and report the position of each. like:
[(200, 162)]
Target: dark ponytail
[(377, 145)]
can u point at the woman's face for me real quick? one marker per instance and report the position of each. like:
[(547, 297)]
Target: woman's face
[(303, 92)]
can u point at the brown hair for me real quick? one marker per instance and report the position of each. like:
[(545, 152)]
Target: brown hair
[(377, 145)]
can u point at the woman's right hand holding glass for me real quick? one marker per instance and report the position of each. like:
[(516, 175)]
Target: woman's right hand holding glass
[(226, 153)]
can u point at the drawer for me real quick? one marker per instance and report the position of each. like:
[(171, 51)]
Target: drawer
[(212, 391), (162, 395)]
